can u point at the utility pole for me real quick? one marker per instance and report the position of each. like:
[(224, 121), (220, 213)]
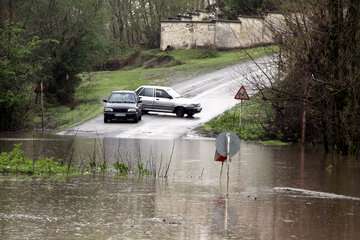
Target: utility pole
[(303, 123)]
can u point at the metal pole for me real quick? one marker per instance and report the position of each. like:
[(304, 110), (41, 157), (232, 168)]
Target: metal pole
[(228, 164), (42, 105), (221, 170), (226, 215), (240, 122)]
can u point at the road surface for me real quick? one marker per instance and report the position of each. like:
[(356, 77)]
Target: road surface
[(215, 91)]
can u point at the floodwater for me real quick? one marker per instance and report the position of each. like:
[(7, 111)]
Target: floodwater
[(275, 193)]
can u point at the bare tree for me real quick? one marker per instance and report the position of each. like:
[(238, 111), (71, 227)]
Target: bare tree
[(316, 91)]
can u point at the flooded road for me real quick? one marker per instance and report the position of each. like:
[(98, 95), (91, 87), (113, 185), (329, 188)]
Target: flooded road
[(276, 193)]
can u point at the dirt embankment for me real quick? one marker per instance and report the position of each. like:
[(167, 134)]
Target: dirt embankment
[(138, 59)]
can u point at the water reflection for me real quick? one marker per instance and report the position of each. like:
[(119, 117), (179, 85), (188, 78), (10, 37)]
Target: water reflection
[(191, 203)]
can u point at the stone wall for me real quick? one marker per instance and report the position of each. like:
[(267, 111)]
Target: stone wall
[(187, 34), (275, 22), (246, 32)]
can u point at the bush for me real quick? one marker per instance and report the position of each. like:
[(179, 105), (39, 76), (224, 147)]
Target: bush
[(13, 110)]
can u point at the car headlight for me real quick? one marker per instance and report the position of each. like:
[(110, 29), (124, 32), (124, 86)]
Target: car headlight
[(132, 110), (108, 109)]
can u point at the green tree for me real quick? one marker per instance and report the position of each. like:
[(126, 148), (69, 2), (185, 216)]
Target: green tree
[(77, 33), (233, 8), (135, 23), (19, 67)]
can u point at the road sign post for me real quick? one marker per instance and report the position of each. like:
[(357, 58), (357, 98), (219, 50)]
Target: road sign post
[(240, 123), (241, 95), (227, 145), (228, 138)]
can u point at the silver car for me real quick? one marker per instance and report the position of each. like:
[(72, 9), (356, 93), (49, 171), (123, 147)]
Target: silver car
[(166, 99)]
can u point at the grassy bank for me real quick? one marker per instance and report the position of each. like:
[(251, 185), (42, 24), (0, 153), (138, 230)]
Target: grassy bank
[(247, 121), (98, 85)]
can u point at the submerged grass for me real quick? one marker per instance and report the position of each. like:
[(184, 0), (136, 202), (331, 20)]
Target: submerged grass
[(274, 143), (97, 85), (121, 168), (96, 162), (15, 162)]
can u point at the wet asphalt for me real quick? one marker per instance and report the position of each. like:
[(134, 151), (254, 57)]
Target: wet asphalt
[(215, 91)]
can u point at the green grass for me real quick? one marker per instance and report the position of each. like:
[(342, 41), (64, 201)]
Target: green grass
[(248, 125), (255, 115), (98, 85)]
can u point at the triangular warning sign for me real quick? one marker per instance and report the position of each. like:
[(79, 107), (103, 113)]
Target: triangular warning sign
[(242, 94)]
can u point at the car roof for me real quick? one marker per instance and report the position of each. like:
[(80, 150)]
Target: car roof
[(150, 86), (123, 91)]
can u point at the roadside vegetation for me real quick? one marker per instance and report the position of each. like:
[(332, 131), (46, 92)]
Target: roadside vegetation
[(249, 121)]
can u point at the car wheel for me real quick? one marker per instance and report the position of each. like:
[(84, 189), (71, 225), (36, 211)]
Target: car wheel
[(136, 119), (106, 119), (180, 112), (145, 112), (190, 115)]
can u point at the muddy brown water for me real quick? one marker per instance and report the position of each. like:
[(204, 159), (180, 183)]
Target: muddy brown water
[(276, 193)]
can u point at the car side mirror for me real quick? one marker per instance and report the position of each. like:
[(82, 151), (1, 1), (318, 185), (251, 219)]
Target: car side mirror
[(170, 97), (105, 100)]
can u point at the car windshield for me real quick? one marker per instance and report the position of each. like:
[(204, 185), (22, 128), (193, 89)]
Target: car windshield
[(122, 98), (173, 93)]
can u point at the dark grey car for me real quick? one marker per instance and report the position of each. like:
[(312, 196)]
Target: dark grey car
[(122, 105)]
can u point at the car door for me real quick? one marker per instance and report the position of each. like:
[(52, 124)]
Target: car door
[(163, 101), (147, 98)]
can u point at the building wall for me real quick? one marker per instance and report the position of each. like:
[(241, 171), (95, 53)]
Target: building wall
[(275, 23), (176, 35), (204, 35), (184, 35), (247, 32), (253, 32)]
